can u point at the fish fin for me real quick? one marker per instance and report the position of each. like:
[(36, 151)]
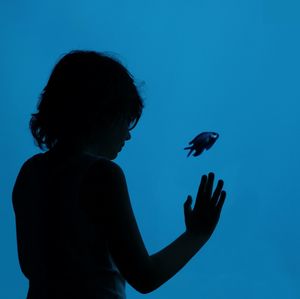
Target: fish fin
[(197, 153), (190, 152), (210, 144)]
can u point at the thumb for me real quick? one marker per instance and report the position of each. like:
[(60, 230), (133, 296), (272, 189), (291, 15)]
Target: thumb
[(187, 206)]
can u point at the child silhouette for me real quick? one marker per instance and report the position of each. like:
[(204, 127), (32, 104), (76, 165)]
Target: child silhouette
[(77, 235)]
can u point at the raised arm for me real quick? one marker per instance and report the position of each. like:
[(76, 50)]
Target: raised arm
[(200, 224), (145, 273), (111, 210)]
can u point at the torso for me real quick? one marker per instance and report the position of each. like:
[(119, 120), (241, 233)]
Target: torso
[(38, 182)]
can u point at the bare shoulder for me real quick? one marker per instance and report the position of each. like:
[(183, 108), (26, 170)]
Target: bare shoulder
[(28, 168), (102, 189), (106, 164), (105, 169), (104, 179)]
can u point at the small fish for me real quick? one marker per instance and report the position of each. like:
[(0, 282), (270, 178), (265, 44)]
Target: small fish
[(202, 141)]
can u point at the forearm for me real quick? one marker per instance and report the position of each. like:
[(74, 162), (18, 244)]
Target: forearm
[(168, 261)]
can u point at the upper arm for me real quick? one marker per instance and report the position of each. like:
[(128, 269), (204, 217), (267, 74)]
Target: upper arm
[(23, 207), (111, 201)]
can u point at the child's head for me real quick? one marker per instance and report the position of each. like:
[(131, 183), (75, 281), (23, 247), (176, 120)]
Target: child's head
[(86, 90)]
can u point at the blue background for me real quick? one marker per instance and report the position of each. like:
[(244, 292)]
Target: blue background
[(227, 66)]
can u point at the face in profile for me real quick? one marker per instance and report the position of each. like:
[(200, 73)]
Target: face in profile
[(109, 141), (121, 134)]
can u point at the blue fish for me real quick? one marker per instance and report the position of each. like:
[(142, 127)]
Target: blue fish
[(201, 142)]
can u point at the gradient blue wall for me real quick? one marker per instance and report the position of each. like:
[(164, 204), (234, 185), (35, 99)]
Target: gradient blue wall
[(229, 66)]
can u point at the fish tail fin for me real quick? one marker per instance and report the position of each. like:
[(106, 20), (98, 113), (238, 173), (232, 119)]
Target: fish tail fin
[(189, 147)]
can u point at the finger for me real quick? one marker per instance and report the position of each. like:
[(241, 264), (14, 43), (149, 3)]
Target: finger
[(221, 201), (188, 207), (217, 192), (188, 202), (200, 194), (209, 185)]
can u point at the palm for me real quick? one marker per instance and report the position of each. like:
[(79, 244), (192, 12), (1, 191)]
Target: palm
[(203, 218)]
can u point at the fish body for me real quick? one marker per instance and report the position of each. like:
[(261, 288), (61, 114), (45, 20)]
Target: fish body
[(201, 142)]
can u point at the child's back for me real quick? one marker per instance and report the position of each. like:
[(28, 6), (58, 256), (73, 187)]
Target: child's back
[(59, 246)]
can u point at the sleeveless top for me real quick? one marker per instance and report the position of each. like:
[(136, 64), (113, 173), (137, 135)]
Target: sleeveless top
[(61, 251)]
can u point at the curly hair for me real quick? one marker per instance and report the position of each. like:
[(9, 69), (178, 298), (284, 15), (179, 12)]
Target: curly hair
[(84, 87)]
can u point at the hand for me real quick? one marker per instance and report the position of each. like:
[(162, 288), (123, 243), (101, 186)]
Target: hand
[(202, 220)]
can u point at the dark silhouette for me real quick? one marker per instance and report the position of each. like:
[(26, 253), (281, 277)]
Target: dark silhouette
[(76, 231), (201, 142)]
